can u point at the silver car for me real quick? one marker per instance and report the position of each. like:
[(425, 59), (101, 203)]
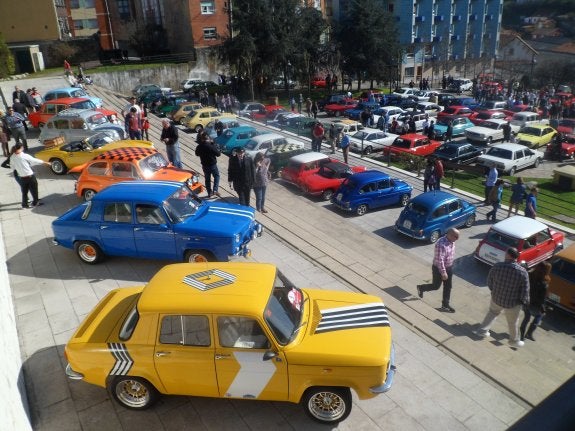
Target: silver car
[(78, 124)]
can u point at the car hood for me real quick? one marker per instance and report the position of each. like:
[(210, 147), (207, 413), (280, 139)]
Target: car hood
[(219, 219), (482, 130), (170, 173), (343, 329)]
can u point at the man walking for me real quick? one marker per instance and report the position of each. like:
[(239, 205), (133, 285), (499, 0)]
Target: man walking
[(317, 136), (17, 125), (241, 175), (170, 137), (509, 285), (207, 151), (442, 269), (22, 163)]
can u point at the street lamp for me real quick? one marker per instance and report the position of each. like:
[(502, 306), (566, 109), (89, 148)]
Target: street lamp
[(533, 61), (289, 66)]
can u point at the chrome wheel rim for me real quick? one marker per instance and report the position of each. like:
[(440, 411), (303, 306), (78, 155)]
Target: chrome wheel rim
[(88, 252), (361, 210), (197, 257), (132, 393), (89, 194), (327, 406), (57, 166)]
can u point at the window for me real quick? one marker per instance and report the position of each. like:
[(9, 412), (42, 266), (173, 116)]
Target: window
[(241, 332), (123, 170), (440, 212), (149, 214), (207, 7), (85, 4), (454, 206), (210, 33), (124, 9), (78, 124), (61, 124), (383, 184), (50, 109), (118, 213), (98, 168), (185, 331)]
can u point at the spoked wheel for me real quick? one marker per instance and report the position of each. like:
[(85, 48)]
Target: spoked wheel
[(58, 166), (470, 221), (404, 200), (88, 252), (133, 392), (361, 210), (327, 405), (434, 236), (195, 256), (327, 195)]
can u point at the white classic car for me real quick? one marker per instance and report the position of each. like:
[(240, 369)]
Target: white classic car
[(509, 158), (489, 132), (369, 141)]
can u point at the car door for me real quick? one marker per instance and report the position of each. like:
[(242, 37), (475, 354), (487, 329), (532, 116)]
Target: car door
[(184, 354), (116, 229), (242, 369), (385, 195), (455, 214), (154, 237), (537, 247)]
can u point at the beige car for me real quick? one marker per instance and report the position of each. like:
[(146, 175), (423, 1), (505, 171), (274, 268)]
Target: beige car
[(178, 115), (200, 118)]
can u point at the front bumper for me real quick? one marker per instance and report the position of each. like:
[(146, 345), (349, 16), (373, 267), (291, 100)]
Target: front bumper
[(391, 370), (74, 375)]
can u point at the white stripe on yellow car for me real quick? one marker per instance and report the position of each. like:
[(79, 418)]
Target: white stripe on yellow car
[(123, 359), (253, 376), (355, 316)]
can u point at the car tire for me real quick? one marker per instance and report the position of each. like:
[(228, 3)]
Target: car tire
[(434, 236), (327, 195), (88, 194), (489, 141), (512, 171), (133, 393), (327, 405), (195, 256), (403, 200), (337, 113), (89, 252), (361, 210), (198, 128), (470, 221), (537, 162), (58, 166), (368, 150)]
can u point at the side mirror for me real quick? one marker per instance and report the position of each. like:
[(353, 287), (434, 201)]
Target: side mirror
[(269, 355)]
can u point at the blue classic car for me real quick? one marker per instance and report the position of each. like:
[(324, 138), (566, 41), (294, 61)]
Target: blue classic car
[(458, 124), (156, 220), (355, 113), (371, 189), (429, 215), (234, 138)]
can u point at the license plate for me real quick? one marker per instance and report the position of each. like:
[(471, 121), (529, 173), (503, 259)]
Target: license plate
[(407, 224)]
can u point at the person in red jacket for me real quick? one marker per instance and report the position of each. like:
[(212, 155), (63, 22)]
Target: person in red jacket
[(317, 136), (439, 173)]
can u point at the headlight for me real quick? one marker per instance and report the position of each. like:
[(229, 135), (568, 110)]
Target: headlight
[(195, 179), (237, 237)]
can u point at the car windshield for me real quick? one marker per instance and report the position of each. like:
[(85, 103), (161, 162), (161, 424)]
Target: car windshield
[(182, 204), (499, 153), (564, 269), (84, 104), (284, 311), (490, 125), (99, 140), (530, 131), (402, 143), (360, 135), (502, 241), (78, 93), (483, 116), (153, 163), (417, 208), (447, 150), (97, 119), (567, 122), (443, 121)]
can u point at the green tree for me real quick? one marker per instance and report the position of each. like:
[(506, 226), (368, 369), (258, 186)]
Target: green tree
[(367, 40), (7, 65)]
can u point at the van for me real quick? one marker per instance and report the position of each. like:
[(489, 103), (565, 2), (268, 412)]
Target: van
[(561, 290)]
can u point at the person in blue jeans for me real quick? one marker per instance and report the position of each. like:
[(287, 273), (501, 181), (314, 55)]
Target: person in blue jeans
[(261, 180), (170, 137), (495, 199), (531, 204)]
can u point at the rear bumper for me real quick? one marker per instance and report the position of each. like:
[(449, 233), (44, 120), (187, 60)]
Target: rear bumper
[(73, 375)]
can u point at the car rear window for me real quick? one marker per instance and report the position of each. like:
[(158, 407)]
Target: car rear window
[(129, 325), (500, 240), (417, 208), (500, 153)]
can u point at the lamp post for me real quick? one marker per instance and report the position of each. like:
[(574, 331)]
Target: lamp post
[(533, 61), (288, 70)]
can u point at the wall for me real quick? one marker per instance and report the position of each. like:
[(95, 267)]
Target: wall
[(19, 25)]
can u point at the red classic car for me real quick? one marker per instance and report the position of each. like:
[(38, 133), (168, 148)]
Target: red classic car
[(412, 143), (337, 109), (302, 165), (318, 82), (522, 108), (268, 112), (479, 117), (455, 111), (566, 126), (565, 150), (534, 240), (328, 178), (54, 106)]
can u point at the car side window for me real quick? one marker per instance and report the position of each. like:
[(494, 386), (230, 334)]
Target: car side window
[(383, 184), (50, 108), (440, 211), (98, 168), (543, 236), (118, 212), (123, 170), (185, 331), (241, 332), (454, 206), (61, 124), (78, 124), (368, 188), (149, 214)]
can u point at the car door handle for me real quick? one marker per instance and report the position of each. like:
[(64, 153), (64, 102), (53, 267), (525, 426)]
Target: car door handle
[(138, 228), (222, 356), (161, 354), (103, 227)]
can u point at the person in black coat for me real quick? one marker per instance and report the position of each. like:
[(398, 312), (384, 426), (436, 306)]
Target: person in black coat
[(208, 151), (538, 282), (241, 175)]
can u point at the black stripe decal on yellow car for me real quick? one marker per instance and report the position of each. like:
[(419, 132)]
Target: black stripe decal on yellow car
[(209, 279), (123, 359), (356, 316)]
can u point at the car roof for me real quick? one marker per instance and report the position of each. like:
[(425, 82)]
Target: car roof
[(67, 100), (308, 157), (368, 176), (126, 154), (455, 144), (509, 146), (241, 129), (63, 89), (538, 126), (75, 112), (211, 287), (267, 137), (346, 122), (149, 190), (519, 226), (432, 198)]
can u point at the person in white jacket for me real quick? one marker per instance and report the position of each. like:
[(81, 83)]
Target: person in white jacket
[(22, 163)]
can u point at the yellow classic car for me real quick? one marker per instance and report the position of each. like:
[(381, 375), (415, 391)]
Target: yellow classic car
[(198, 119), (235, 330), (535, 135), (64, 156)]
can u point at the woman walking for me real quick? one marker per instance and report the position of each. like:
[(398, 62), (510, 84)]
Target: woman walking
[(261, 181), (518, 194), (538, 282)]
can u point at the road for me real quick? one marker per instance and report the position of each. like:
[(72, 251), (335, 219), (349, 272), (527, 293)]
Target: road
[(447, 378)]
